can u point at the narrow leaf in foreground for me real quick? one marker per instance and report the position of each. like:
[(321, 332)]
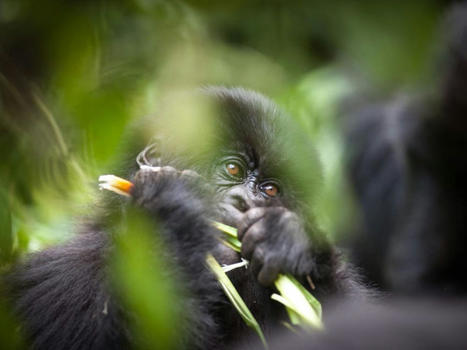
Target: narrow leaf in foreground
[(297, 301), (234, 297)]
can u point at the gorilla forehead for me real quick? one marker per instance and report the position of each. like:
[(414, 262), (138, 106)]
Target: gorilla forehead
[(249, 124)]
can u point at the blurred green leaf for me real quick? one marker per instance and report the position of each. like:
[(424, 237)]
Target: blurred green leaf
[(6, 230), (10, 337), (144, 281)]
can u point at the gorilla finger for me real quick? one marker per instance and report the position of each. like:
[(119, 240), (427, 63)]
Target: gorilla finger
[(143, 176), (230, 215), (150, 168), (168, 169), (269, 272), (248, 219), (190, 174), (256, 261), (252, 237)]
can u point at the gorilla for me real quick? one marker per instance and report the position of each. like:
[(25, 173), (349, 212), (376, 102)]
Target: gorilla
[(258, 175)]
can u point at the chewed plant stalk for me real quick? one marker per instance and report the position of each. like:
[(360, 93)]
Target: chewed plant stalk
[(115, 184)]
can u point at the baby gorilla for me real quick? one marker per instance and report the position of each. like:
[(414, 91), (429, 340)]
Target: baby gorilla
[(260, 179)]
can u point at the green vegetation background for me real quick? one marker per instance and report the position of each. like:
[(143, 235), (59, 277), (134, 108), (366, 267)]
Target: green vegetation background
[(75, 74)]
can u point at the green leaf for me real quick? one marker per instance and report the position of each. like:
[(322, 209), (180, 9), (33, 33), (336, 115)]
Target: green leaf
[(140, 276), (297, 301), (229, 230), (232, 243), (315, 304), (294, 318), (234, 297)]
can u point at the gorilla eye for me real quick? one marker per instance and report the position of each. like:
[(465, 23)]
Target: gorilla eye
[(234, 169), (270, 189)]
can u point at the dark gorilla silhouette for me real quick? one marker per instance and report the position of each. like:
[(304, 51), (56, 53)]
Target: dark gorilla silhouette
[(408, 167)]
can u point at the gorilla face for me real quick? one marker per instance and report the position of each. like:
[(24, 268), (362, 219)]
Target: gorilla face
[(242, 185)]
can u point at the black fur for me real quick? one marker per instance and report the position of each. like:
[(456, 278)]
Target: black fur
[(60, 294), (408, 167)]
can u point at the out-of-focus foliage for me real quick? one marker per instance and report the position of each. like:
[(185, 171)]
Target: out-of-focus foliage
[(9, 334), (145, 285), (75, 74)]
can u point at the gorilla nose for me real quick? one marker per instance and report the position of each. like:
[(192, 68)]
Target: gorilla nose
[(240, 203)]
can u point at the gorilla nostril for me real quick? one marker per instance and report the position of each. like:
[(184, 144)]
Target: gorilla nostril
[(240, 203)]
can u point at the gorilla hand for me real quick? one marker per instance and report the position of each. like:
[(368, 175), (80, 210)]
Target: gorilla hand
[(274, 240)]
